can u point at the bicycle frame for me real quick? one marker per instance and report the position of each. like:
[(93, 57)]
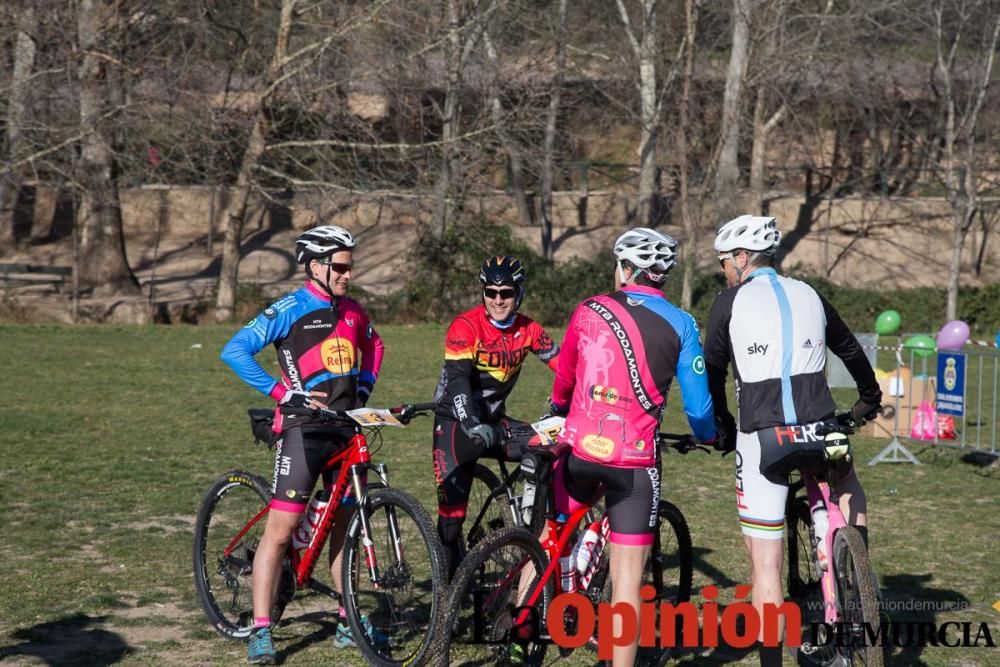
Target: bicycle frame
[(818, 490), (354, 461)]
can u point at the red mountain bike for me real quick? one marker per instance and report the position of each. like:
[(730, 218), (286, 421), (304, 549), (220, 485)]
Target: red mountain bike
[(510, 571), (392, 563)]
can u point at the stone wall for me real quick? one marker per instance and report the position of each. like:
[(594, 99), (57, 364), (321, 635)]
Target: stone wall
[(874, 242)]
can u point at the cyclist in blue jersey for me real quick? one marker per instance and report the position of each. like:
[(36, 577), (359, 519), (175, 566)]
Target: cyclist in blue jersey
[(329, 356), (775, 331)]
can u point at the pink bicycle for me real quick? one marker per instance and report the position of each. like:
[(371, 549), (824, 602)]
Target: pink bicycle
[(830, 567)]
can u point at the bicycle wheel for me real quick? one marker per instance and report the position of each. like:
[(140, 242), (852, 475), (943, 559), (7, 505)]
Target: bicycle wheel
[(803, 571), (392, 619), (223, 581), (857, 599), (498, 512), (503, 571)]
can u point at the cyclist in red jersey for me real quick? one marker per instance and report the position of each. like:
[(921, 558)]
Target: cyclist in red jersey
[(620, 355), (483, 352)]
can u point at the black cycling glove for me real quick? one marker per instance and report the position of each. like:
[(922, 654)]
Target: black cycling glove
[(558, 410), (725, 425), (868, 405), (485, 433)]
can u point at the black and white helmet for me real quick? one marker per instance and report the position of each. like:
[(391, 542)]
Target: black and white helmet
[(322, 241), (647, 250), (755, 233)]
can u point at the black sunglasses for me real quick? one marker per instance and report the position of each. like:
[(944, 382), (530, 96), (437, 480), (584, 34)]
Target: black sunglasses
[(505, 293), (339, 267)]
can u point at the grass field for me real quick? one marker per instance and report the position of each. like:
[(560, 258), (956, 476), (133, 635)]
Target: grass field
[(111, 435)]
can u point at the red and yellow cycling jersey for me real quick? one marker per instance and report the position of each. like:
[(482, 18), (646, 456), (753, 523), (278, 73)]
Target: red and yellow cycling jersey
[(482, 362)]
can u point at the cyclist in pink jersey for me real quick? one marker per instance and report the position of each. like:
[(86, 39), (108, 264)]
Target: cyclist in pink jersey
[(639, 342)]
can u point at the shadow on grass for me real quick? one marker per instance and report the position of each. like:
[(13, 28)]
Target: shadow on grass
[(69, 641), (712, 573), (326, 627), (909, 599)]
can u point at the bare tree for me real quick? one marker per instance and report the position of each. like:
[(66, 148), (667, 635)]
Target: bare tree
[(17, 113), (780, 64), (955, 25), (100, 28), (727, 175), (689, 249), (551, 118), (510, 145), (643, 39), (235, 212)]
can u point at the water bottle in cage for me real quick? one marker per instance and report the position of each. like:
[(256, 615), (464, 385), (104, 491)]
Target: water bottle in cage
[(821, 522), (589, 548), (310, 519), (568, 569)]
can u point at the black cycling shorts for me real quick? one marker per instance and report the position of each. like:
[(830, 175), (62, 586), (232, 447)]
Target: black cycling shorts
[(632, 496), (784, 449), (299, 455), (455, 456)]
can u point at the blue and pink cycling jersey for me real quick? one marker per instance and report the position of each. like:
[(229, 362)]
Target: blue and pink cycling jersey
[(620, 355), (320, 347)]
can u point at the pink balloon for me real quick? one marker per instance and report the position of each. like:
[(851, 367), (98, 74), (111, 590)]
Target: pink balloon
[(953, 336)]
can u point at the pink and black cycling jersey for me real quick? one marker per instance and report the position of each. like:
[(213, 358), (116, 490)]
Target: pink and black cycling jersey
[(320, 346), (619, 358)]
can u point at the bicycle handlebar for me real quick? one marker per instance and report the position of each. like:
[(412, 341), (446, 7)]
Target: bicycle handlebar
[(843, 423), (682, 442), (404, 413)]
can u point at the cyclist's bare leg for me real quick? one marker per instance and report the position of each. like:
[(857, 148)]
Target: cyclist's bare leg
[(267, 561), (765, 570), (627, 565), (337, 537)]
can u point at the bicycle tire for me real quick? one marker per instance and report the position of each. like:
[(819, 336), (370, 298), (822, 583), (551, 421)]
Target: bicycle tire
[(857, 599), (497, 513), (803, 575), (494, 567), (230, 504), (401, 634), (670, 570)]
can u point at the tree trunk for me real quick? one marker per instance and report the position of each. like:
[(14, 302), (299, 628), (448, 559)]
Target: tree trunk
[(649, 115), (644, 46), (959, 232), (689, 250), (728, 174), (509, 145), (24, 62), (235, 212), (761, 131), (449, 117), (102, 240), (550, 133)]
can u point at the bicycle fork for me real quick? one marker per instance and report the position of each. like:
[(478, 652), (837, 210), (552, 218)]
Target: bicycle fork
[(361, 492)]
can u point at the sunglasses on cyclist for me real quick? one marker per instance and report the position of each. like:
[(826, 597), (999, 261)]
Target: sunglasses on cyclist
[(503, 293), (339, 267)]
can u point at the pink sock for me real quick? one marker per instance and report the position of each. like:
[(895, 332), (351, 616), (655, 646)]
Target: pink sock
[(261, 622)]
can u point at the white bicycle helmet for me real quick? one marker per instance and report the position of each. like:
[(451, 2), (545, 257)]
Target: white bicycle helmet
[(756, 233), (321, 241), (647, 250)]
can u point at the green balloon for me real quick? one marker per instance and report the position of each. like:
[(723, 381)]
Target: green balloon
[(887, 323), (921, 345)]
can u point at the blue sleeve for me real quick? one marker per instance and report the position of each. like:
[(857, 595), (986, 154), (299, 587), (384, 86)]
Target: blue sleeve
[(694, 384), (240, 352)]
